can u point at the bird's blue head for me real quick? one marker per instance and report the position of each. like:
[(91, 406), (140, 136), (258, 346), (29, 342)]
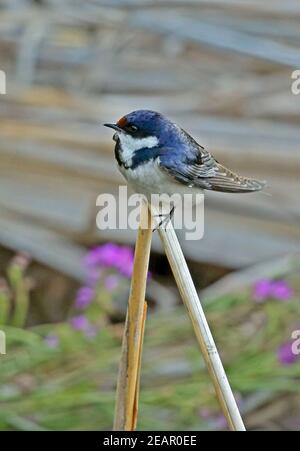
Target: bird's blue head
[(145, 128)]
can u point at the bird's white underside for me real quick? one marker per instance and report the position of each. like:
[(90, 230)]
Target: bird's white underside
[(148, 178)]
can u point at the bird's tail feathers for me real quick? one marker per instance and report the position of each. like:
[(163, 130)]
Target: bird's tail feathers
[(227, 181)]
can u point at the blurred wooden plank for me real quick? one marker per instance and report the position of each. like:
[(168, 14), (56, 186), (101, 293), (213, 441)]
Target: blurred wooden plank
[(69, 161), (281, 106), (100, 172), (54, 151), (237, 242), (53, 105), (240, 280), (228, 241), (45, 246), (218, 37), (273, 6), (59, 207), (236, 245), (256, 25), (241, 137)]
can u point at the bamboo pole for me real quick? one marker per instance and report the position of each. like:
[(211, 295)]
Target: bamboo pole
[(126, 408), (208, 348)]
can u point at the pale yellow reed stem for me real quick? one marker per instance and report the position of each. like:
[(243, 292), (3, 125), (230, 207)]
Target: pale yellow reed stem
[(129, 371), (208, 348)]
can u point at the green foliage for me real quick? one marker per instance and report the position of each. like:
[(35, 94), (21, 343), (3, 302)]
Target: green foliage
[(14, 293), (69, 383)]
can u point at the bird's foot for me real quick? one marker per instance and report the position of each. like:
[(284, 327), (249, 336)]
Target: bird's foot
[(166, 218)]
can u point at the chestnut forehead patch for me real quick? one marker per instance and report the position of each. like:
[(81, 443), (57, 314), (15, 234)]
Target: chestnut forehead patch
[(122, 122)]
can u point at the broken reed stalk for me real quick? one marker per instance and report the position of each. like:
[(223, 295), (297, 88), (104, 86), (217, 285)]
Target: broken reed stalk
[(208, 348), (126, 408)]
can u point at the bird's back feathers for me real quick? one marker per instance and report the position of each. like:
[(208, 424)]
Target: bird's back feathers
[(197, 167)]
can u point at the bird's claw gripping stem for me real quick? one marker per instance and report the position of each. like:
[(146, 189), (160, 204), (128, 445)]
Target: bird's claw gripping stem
[(166, 218)]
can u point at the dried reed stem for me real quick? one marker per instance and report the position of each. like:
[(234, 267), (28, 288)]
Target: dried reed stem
[(191, 300), (129, 372)]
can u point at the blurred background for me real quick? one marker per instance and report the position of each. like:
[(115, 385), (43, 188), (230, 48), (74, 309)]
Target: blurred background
[(220, 69)]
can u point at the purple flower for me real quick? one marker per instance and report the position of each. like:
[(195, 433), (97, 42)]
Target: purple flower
[(277, 289), (111, 282), (80, 322), (111, 256), (262, 290), (52, 341), (105, 255), (84, 297), (125, 261), (281, 290), (285, 354)]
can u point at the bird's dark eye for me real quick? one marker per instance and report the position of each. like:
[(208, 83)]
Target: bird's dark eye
[(132, 128)]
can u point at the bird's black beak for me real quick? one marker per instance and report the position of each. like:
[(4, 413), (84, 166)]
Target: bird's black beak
[(114, 127)]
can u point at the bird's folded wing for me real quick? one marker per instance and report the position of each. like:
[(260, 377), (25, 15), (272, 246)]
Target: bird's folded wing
[(206, 173)]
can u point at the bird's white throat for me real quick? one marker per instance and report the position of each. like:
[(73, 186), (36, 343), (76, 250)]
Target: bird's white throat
[(130, 145)]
